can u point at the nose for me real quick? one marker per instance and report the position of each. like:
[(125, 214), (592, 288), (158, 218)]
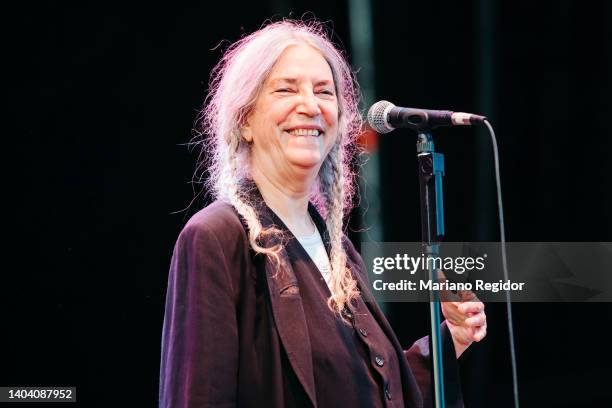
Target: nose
[(308, 104)]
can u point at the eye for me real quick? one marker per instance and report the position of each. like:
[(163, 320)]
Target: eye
[(326, 92), (284, 90)]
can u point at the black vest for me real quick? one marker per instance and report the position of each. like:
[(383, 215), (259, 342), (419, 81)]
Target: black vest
[(356, 365)]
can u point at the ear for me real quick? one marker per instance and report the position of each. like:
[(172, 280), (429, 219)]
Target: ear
[(246, 132)]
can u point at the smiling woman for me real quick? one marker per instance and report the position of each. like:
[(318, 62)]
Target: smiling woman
[(267, 89), (268, 303)]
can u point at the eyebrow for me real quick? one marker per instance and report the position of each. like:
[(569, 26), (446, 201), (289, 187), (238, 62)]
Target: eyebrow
[(292, 80)]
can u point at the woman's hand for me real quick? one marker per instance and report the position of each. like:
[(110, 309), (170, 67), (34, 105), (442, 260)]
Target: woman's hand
[(466, 320)]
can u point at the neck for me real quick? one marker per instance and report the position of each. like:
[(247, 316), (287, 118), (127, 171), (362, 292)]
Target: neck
[(288, 200)]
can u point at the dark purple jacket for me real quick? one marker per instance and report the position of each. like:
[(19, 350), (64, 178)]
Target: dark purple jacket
[(236, 336)]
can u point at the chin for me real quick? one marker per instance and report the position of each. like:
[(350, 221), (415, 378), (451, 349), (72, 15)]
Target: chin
[(306, 162)]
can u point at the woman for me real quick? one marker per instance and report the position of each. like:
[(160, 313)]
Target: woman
[(268, 302)]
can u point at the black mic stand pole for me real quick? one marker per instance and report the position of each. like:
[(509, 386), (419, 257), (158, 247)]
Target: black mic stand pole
[(431, 170)]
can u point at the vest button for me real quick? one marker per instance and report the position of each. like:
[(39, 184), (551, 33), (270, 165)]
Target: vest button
[(379, 361), (364, 332)]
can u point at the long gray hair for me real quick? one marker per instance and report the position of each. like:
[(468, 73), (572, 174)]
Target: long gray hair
[(235, 84)]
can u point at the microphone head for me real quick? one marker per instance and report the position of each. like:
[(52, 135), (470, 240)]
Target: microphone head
[(377, 116)]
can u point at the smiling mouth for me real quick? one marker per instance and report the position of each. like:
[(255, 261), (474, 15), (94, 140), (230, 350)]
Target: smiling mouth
[(305, 132)]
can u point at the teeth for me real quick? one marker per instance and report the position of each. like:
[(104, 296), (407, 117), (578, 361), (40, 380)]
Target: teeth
[(304, 132)]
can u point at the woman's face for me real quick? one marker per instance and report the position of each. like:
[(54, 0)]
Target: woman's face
[(294, 123)]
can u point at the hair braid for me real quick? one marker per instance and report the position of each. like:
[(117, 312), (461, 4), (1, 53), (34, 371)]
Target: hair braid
[(344, 287), (229, 189)]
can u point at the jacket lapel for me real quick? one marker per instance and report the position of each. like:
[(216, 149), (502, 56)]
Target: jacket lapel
[(287, 307)]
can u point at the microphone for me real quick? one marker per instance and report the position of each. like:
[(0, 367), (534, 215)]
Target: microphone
[(384, 116)]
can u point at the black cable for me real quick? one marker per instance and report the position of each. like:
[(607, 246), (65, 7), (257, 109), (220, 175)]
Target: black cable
[(502, 232)]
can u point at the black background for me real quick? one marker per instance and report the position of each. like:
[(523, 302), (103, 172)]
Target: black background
[(103, 97)]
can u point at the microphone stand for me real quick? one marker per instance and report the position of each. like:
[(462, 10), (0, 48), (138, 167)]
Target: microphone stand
[(431, 170)]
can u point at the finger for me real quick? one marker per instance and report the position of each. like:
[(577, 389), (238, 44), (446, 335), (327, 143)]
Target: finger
[(471, 307), (454, 305), (446, 295), (477, 320), (452, 314), (480, 333), (449, 296), (467, 295)]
